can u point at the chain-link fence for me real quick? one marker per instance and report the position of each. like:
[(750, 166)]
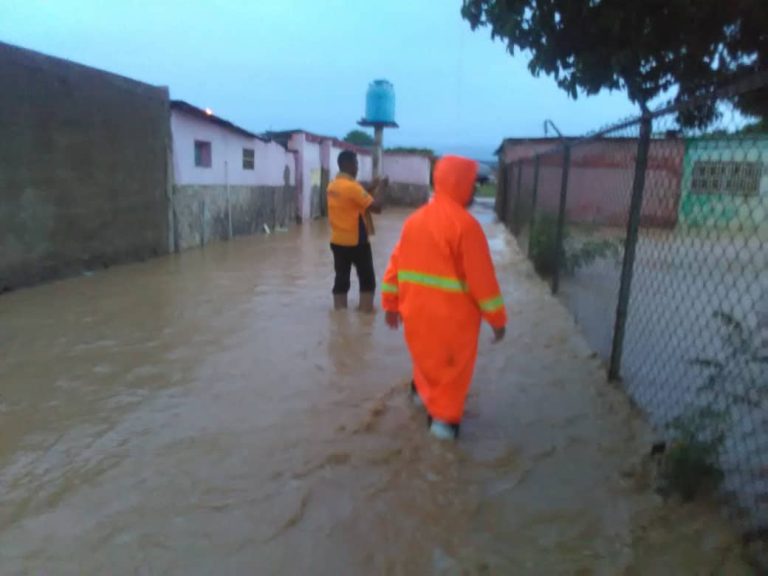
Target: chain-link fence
[(655, 237)]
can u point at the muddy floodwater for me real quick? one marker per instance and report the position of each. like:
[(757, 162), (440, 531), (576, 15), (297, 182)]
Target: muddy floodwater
[(207, 413)]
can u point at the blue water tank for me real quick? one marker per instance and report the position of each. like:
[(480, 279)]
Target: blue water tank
[(380, 102)]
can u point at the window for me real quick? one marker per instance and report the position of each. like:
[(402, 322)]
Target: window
[(744, 179), (726, 178), (248, 159), (202, 154)]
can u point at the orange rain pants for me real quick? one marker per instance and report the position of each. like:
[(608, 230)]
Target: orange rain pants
[(441, 280)]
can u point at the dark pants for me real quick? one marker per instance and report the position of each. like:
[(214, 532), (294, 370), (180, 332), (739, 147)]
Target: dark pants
[(361, 257)]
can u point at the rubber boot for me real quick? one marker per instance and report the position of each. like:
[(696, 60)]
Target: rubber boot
[(366, 302), (443, 430), (339, 301)]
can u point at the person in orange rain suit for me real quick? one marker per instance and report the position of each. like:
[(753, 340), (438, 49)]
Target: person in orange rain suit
[(441, 283)]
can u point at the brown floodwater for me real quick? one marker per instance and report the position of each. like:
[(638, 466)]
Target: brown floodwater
[(207, 413)]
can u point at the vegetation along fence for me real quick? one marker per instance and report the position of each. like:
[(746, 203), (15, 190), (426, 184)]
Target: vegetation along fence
[(654, 234)]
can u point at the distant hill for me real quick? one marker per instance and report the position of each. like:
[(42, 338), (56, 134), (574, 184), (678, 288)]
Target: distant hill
[(485, 168), (482, 154)]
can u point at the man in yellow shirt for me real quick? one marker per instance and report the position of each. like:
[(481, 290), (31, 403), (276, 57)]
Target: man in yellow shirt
[(348, 203)]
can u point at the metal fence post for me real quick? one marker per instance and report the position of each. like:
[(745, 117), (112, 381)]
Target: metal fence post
[(516, 213), (534, 198), (627, 268), (501, 191), (559, 235)]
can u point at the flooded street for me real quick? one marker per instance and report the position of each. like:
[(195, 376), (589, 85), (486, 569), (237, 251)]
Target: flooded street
[(207, 413)]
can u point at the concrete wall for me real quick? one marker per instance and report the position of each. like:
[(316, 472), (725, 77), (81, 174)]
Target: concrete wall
[(412, 195), (270, 159), (201, 213), (409, 182), (83, 168), (406, 168)]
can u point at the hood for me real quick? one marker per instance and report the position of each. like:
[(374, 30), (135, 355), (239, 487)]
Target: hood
[(454, 178)]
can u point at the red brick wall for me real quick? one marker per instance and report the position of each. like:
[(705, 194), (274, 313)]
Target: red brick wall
[(600, 180)]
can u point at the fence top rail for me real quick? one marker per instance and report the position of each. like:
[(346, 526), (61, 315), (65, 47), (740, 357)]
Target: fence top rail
[(756, 81)]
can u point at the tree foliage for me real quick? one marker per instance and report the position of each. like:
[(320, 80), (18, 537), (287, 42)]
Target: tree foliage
[(359, 138), (759, 127), (412, 150), (645, 47)]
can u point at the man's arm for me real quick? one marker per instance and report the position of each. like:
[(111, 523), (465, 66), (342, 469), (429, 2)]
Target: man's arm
[(376, 185), (360, 197), (372, 186), (376, 206), (374, 189), (366, 201)]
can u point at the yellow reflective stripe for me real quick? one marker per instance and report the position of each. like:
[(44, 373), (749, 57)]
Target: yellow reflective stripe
[(492, 304), (431, 281), (388, 288)]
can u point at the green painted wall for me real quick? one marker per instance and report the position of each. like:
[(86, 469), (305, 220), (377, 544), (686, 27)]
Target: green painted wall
[(726, 212)]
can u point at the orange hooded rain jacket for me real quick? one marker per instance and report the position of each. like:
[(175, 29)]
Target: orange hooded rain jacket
[(441, 280)]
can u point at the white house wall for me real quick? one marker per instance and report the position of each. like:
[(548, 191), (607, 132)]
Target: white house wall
[(365, 167), (310, 175), (270, 159), (333, 167)]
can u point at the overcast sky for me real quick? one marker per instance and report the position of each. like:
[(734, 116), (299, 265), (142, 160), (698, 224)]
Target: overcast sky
[(280, 64)]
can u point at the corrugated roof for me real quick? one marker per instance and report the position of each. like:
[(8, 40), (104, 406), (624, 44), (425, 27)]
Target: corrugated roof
[(201, 114), (534, 140), (283, 136), (424, 154), (669, 135)]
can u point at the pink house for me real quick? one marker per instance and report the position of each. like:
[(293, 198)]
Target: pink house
[(227, 181), (317, 155), (208, 150), (317, 165)]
